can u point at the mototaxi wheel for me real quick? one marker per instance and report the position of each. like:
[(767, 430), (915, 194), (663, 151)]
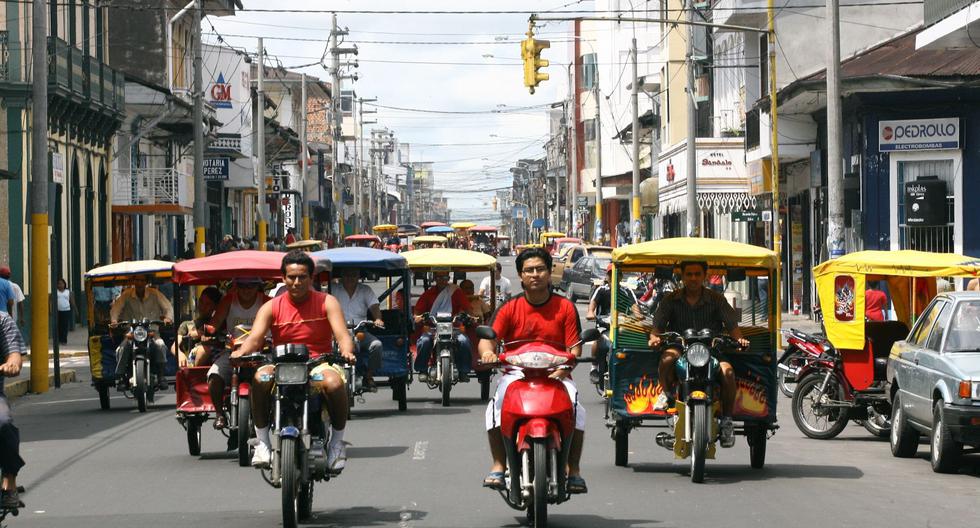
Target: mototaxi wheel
[(103, 396), (484, 378), (877, 424), (945, 453), (194, 436), (289, 471), (811, 416), (621, 436), (399, 392), (446, 365), (142, 380), (539, 504), (758, 438), (903, 440), (244, 431), (699, 440)]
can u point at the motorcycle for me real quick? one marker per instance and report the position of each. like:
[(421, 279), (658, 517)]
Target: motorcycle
[(537, 421), (800, 350), (299, 434), (442, 370), (699, 400), (601, 381), (838, 386), (142, 381)]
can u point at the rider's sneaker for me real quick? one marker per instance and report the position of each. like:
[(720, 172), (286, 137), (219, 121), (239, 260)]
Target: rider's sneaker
[(262, 457), (463, 377), (594, 375), (662, 403), (11, 500), (336, 457), (423, 378), (162, 385), (726, 433)]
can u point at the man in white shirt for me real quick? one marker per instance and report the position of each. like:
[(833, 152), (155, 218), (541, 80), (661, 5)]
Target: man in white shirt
[(141, 302), (357, 300), (502, 286)]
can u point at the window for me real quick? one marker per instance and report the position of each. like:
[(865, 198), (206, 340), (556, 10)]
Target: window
[(583, 264), (763, 65), (347, 102), (964, 332), (939, 329), (589, 72), (924, 325), (576, 255), (590, 132)]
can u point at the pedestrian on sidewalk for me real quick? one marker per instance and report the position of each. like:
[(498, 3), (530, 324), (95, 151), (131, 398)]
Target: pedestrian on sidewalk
[(11, 348), (65, 305), (18, 309)]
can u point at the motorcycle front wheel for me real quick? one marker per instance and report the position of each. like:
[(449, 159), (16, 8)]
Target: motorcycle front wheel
[(446, 365), (139, 388), (793, 359), (290, 481), (810, 412), (244, 430), (699, 440), (304, 508), (540, 484)]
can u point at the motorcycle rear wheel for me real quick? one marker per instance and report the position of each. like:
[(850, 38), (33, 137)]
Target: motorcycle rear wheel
[(290, 481), (194, 437), (807, 407), (540, 484), (244, 431), (788, 387), (699, 441), (877, 424), (757, 438), (621, 435), (446, 365), (139, 388)]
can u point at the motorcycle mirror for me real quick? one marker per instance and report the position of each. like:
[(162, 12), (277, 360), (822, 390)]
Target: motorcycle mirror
[(485, 332), (705, 332), (589, 335)]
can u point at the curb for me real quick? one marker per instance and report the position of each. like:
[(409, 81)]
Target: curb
[(16, 389)]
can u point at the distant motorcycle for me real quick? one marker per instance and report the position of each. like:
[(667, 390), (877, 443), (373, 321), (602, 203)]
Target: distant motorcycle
[(142, 380)]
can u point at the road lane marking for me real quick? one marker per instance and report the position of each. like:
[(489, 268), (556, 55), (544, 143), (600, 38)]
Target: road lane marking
[(420, 448), (72, 401)]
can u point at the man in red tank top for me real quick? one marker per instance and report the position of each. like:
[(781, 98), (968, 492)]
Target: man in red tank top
[(302, 316)]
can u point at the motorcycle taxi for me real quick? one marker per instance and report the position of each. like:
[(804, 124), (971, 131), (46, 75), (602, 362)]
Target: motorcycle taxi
[(690, 429), (459, 262), (103, 340), (194, 403), (367, 241), (848, 380), (429, 241), (387, 233), (394, 364)]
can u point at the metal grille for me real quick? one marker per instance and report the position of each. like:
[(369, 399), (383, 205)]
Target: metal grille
[(4, 56), (926, 238)]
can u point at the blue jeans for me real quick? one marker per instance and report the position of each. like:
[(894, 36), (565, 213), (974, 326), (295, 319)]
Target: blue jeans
[(368, 352), (462, 358)]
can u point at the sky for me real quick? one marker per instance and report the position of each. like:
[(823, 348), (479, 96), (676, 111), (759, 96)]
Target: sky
[(435, 63)]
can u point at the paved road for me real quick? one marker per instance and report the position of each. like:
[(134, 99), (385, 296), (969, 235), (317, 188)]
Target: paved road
[(422, 468)]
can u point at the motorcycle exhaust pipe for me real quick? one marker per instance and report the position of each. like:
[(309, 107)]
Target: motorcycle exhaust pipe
[(790, 371), (666, 441)]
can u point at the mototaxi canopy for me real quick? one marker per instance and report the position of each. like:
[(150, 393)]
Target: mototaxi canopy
[(483, 229), (426, 225), (462, 225), (911, 278), (430, 239), (719, 254), (123, 271), (358, 257), (439, 229), (265, 265), (385, 228), (449, 259)]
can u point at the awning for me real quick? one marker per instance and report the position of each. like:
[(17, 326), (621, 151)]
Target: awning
[(539, 223)]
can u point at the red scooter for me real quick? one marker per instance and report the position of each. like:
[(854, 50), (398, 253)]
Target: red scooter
[(536, 421)]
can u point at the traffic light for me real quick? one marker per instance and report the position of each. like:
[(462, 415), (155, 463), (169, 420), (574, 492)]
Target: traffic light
[(531, 53)]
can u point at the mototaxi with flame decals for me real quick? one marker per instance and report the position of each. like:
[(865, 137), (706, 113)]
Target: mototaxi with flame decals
[(633, 386)]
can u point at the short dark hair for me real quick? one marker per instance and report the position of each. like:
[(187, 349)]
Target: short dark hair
[(499, 267), (534, 252), (297, 256), (702, 264), (213, 293)]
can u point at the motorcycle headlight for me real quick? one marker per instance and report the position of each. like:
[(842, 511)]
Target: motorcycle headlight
[(139, 333), (444, 328), (698, 355), (291, 374)]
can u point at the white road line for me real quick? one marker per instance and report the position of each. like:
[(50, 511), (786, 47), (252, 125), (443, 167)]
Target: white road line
[(420, 448), (71, 401)]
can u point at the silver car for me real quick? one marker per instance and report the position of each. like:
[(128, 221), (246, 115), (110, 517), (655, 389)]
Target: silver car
[(934, 377)]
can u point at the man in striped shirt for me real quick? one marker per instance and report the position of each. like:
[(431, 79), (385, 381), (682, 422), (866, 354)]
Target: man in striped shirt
[(694, 306), (11, 348)]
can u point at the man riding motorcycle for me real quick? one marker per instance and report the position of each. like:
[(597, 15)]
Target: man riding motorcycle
[(238, 307), (536, 315), (11, 349), (442, 298), (695, 306), (357, 300), (140, 302), (312, 318), (600, 306)]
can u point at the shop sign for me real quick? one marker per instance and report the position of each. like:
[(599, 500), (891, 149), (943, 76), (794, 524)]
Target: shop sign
[(919, 134), (216, 169), (582, 201), (746, 216), (220, 93), (925, 202), (58, 167)]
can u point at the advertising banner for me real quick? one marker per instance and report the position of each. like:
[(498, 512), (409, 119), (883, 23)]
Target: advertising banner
[(919, 134)]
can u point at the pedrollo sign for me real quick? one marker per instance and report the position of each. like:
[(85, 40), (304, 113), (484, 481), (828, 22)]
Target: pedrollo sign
[(919, 134)]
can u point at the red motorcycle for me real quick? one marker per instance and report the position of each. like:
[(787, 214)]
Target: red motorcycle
[(536, 421)]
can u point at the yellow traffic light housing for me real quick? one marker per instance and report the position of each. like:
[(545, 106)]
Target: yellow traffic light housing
[(531, 53)]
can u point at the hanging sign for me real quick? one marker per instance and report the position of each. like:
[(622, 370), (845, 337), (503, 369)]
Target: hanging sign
[(216, 169)]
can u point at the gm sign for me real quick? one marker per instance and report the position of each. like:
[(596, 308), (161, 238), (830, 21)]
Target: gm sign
[(919, 134)]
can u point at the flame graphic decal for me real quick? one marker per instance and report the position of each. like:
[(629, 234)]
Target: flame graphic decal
[(640, 398), (750, 399)]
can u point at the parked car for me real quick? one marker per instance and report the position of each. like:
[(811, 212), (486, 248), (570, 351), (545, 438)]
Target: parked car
[(569, 255), (588, 273), (934, 377)]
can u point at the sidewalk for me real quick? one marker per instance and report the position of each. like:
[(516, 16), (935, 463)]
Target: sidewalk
[(71, 355)]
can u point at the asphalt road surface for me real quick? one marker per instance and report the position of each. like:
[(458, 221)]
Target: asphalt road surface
[(88, 468)]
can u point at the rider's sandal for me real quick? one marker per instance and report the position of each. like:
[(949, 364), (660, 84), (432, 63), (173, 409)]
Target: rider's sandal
[(576, 484), (495, 480), (220, 422)]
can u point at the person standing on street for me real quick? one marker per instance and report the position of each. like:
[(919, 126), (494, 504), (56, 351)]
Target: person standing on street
[(18, 309), (65, 305), (11, 349)]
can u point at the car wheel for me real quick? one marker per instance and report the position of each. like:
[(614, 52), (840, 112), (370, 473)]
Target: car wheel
[(903, 439), (945, 456)]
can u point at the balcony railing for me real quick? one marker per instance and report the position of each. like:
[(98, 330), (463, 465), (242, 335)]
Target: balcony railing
[(151, 187), (935, 10), (73, 74), (226, 143), (4, 56)]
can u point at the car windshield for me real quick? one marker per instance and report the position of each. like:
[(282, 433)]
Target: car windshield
[(964, 329), (600, 265)]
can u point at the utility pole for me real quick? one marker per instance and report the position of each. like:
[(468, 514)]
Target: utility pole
[(359, 194), (572, 125), (335, 127), (835, 171), (598, 164), (693, 213), (635, 211), (39, 198), (303, 160), (259, 119), (200, 187), (776, 285)]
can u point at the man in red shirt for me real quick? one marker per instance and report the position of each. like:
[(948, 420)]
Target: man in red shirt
[(541, 316), (875, 302), (442, 298)]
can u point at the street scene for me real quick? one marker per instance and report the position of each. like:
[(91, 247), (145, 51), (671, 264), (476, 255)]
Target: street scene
[(557, 263)]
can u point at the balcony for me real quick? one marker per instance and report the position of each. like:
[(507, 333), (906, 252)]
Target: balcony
[(226, 144), (152, 191), (4, 56), (935, 10), (87, 96), (950, 24)]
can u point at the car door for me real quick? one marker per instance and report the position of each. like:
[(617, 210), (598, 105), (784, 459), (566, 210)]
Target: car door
[(929, 362), (919, 393), (580, 272)]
